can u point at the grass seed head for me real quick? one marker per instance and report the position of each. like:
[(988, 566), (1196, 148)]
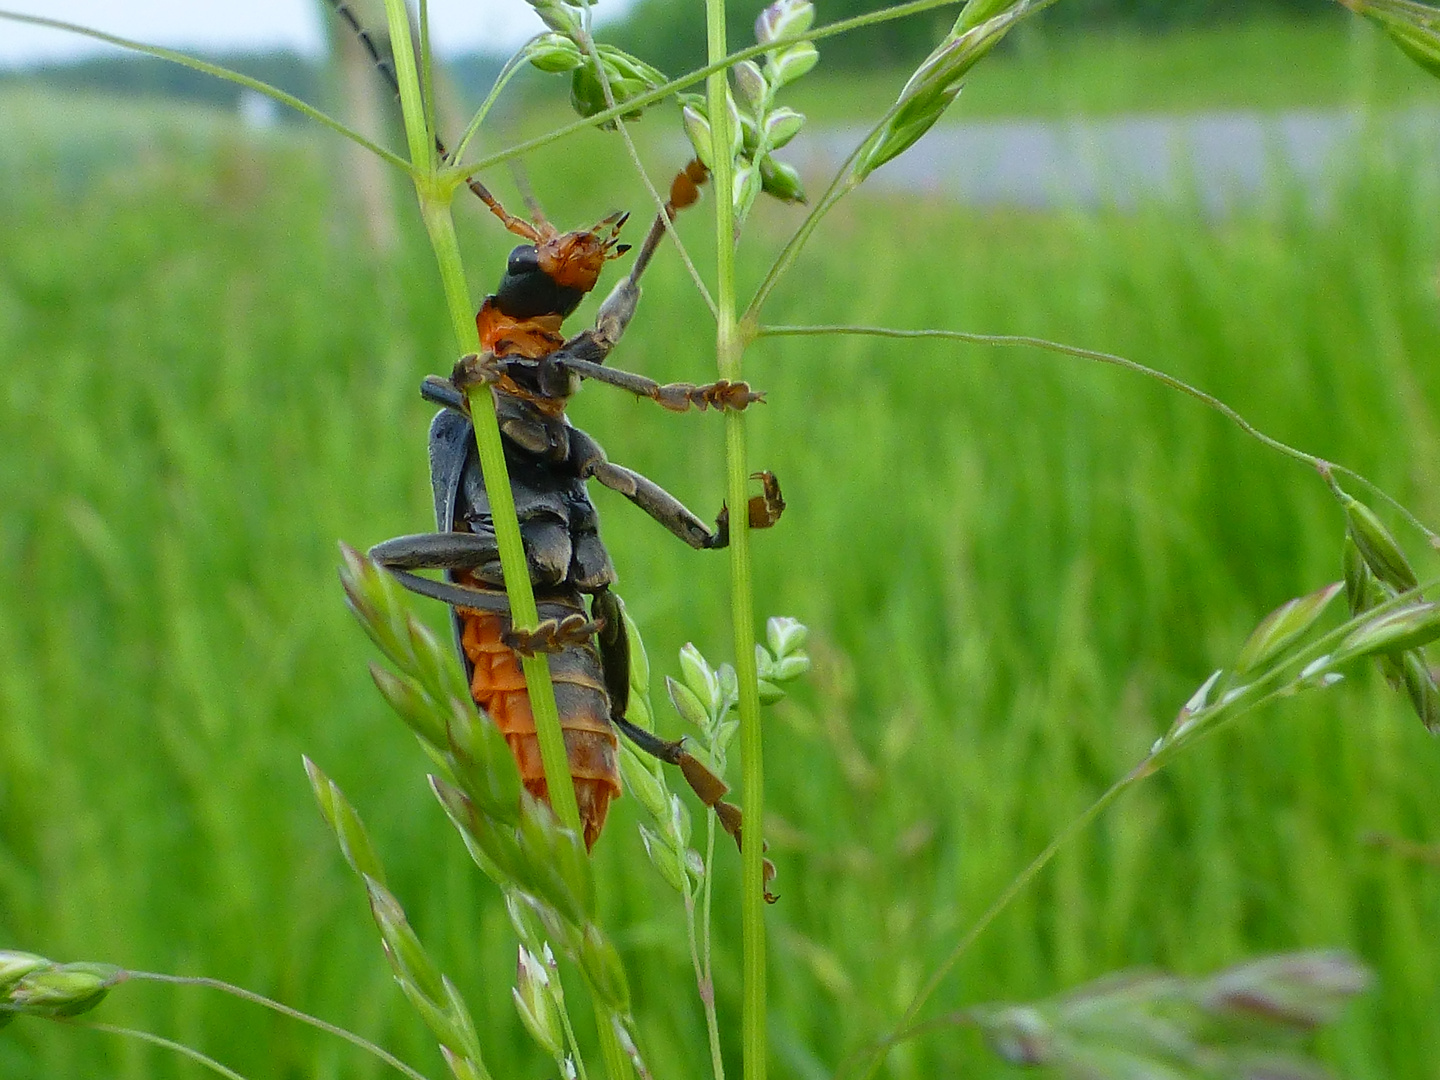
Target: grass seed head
[(1382, 554)]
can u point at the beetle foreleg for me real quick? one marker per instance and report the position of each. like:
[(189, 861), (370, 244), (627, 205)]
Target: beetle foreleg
[(677, 397)]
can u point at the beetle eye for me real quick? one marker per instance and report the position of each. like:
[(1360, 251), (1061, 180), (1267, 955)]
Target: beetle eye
[(523, 260)]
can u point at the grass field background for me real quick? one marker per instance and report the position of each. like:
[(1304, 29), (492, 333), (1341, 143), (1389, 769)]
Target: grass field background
[(1015, 568)]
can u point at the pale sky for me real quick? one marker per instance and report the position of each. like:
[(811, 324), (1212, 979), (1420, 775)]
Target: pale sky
[(457, 26)]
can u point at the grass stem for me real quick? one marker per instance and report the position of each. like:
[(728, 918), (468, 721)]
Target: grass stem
[(167, 1044), (660, 93), (730, 346), (435, 194), (284, 1010), (1320, 465)]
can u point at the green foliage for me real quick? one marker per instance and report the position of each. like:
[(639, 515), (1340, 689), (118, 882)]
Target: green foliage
[(209, 380)]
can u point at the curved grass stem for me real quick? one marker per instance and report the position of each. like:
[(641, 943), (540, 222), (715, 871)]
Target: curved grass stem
[(1269, 686), (284, 1010), (659, 200), (162, 1042), (1327, 469), (218, 72), (907, 1025), (506, 74), (660, 93)]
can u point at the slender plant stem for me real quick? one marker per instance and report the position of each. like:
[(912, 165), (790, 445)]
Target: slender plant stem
[(660, 93), (571, 1041), (1001, 902), (506, 74), (218, 72), (1326, 468), (617, 1062), (284, 1010), (435, 194), (845, 180), (160, 1041), (1207, 720), (712, 1021), (730, 346), (659, 200)]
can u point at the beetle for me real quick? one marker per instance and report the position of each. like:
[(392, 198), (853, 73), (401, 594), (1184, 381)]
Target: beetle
[(533, 371)]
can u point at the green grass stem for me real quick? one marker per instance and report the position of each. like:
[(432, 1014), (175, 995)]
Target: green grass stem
[(730, 346), (660, 93), (284, 1010), (512, 65), (220, 73), (1326, 469), (180, 1048), (435, 196)]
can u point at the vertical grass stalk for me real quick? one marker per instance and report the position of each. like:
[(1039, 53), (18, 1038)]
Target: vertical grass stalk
[(729, 346), (435, 196)]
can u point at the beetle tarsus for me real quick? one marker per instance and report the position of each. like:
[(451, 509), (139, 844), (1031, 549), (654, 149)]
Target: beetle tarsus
[(762, 512), (552, 635), (477, 369)]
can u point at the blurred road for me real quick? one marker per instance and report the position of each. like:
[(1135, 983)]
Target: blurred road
[(1217, 159)]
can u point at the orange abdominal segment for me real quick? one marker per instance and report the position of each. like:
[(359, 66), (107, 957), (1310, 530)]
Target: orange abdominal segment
[(498, 686)]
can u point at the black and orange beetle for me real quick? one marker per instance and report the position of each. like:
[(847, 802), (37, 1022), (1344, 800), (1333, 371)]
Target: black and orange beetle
[(533, 371)]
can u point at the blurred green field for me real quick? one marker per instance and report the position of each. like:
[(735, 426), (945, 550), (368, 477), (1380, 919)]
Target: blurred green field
[(1015, 569), (1260, 63)]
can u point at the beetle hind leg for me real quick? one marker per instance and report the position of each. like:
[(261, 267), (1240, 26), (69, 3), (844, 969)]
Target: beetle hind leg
[(615, 663)]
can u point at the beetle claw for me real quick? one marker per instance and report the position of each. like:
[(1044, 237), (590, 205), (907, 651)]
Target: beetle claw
[(552, 635), (477, 369)]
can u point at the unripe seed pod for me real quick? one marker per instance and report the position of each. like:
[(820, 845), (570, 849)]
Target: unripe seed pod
[(785, 635), (750, 85), (697, 128), (1382, 554), (1410, 627), (1300, 991), (781, 180), (1421, 687), (664, 858), (14, 966), (784, 18), (782, 125), (555, 53), (535, 1005), (700, 677), (1358, 578), (687, 704), (63, 989), (790, 64), (1283, 627)]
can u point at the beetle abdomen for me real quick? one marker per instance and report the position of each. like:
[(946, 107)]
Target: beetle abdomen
[(498, 686)]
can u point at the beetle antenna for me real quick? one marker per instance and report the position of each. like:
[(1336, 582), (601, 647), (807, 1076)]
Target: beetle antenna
[(385, 65), (521, 176)]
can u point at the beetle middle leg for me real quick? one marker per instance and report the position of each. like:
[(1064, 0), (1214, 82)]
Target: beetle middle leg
[(589, 460)]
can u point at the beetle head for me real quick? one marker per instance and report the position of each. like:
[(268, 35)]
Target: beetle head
[(551, 275)]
